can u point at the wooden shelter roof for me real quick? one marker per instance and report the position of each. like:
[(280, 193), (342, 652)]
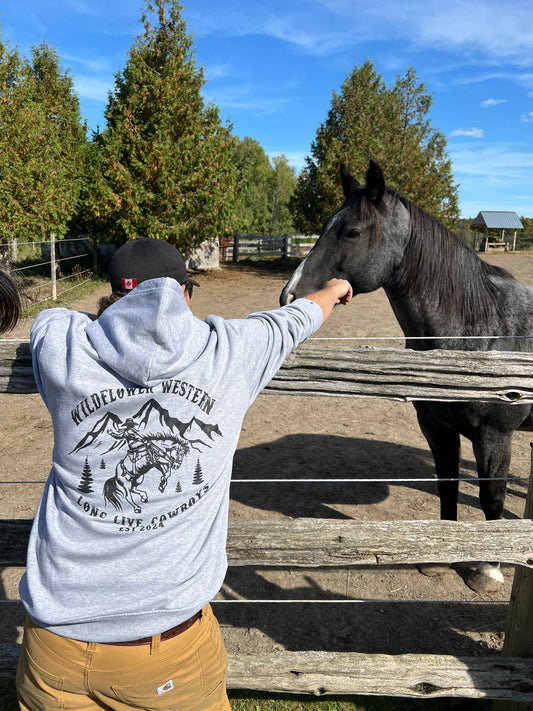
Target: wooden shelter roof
[(498, 220)]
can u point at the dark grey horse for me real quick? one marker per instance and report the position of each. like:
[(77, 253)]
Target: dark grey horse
[(437, 287)]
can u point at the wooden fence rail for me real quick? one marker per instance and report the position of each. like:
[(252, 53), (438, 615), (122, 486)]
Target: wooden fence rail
[(361, 372), (365, 372)]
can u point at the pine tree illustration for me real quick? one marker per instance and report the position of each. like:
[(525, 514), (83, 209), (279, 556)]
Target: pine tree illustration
[(86, 479), (198, 478), (178, 488), (102, 465)]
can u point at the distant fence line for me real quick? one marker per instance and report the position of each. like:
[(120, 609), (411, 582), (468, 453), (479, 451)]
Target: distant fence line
[(54, 252), (244, 246)]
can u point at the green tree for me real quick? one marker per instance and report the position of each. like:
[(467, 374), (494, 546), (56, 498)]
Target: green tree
[(265, 189), (167, 163), (10, 169), (368, 120), (253, 181), (282, 188), (42, 143)]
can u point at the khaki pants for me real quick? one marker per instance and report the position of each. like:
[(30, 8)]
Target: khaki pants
[(187, 672)]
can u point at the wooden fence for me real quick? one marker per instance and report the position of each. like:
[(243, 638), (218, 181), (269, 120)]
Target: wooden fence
[(363, 372), (241, 246)]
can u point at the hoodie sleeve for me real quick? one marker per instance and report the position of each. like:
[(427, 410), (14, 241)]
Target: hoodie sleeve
[(271, 335)]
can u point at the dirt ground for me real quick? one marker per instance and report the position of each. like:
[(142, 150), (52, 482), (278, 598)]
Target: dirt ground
[(301, 438)]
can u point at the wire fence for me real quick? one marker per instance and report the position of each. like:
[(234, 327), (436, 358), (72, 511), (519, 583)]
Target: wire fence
[(40, 267)]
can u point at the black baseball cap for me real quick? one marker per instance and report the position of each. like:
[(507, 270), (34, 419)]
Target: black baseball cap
[(141, 259)]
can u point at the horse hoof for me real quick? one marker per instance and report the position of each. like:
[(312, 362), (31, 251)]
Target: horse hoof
[(483, 584), (433, 570)]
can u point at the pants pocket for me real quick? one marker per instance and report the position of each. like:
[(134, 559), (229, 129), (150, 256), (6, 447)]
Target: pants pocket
[(37, 689), (164, 686)]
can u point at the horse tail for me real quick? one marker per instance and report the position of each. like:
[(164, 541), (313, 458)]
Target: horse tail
[(10, 303), (112, 493)]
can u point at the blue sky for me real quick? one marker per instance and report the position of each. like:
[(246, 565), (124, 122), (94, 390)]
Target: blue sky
[(271, 67)]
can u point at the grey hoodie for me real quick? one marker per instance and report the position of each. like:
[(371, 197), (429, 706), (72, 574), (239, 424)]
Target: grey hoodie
[(147, 404)]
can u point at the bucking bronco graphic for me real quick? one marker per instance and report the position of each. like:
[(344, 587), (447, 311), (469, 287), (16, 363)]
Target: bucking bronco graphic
[(152, 440)]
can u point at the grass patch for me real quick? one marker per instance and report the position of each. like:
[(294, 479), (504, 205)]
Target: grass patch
[(257, 701), (37, 295)]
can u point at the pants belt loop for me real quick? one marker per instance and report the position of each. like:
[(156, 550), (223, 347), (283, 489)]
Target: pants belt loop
[(155, 644)]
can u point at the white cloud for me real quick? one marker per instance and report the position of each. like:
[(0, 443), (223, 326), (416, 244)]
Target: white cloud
[(470, 132), (243, 98), (488, 103), (527, 118), (93, 88), (296, 159), (498, 177), (477, 29)]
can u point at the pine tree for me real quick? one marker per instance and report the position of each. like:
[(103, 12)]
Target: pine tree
[(42, 144), (167, 164), (86, 479), (368, 120), (198, 474)]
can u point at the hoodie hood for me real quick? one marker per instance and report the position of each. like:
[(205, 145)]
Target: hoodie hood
[(145, 335)]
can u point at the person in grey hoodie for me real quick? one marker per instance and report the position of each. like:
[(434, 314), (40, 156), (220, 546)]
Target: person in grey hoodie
[(128, 543)]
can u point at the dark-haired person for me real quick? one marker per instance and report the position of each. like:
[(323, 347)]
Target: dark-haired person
[(128, 544)]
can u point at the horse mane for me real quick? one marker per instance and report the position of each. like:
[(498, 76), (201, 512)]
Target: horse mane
[(444, 269)]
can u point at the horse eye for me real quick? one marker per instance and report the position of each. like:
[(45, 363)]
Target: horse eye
[(352, 233)]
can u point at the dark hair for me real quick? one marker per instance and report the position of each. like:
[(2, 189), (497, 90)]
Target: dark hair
[(106, 301)]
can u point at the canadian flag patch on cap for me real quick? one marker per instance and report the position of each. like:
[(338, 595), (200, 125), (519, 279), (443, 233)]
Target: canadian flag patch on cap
[(129, 283)]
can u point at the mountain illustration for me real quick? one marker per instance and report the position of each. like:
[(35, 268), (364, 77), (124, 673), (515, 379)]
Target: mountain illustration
[(151, 418), (195, 432), (92, 437)]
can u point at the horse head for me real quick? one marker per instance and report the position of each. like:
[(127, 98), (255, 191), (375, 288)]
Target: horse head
[(362, 242)]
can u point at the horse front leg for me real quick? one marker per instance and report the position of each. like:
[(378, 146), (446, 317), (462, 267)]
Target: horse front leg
[(445, 446), (492, 451)]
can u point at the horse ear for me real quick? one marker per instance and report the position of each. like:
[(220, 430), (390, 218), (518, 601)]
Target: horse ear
[(349, 183), (375, 182)]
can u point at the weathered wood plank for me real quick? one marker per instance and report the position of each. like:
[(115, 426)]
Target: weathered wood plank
[(407, 675), (518, 641), (406, 374), (324, 542), (410, 675), (361, 372)]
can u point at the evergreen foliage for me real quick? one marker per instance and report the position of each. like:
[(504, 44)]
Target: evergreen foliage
[(167, 162), (368, 120), (42, 143)]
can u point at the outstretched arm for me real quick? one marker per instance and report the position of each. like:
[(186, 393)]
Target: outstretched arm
[(334, 291)]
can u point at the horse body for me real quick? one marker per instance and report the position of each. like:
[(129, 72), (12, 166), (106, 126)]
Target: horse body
[(436, 287)]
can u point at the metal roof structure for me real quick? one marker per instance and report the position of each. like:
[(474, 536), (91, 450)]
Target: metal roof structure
[(498, 221)]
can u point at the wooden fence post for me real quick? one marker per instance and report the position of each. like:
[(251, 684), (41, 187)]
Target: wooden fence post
[(53, 265), (518, 640), (95, 256), (287, 244), (14, 252), (236, 248)]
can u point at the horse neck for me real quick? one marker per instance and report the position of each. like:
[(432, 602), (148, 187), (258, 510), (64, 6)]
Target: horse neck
[(441, 287)]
